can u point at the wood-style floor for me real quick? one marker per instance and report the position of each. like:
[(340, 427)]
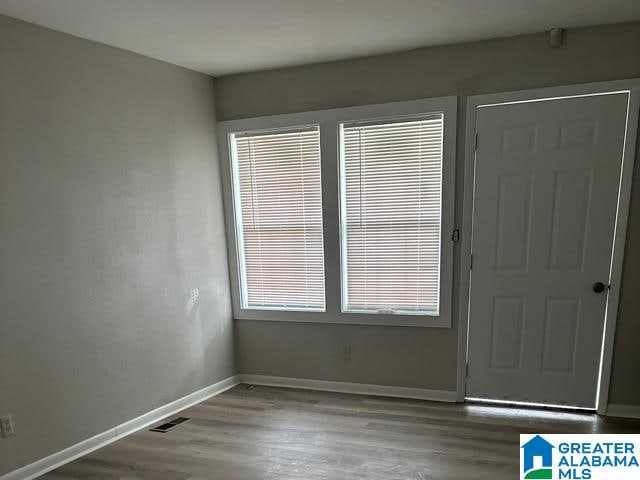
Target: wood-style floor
[(278, 433)]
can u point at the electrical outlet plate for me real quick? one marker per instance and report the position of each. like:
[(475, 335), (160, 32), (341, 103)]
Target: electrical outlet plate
[(346, 352), (6, 426)]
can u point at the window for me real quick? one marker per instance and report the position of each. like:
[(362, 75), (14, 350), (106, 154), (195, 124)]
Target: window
[(391, 210), (384, 212), (278, 218)]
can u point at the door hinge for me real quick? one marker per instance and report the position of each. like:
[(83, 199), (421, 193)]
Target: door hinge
[(455, 235), (471, 262), (475, 145), (466, 370)]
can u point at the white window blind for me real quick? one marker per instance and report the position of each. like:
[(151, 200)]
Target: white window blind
[(278, 212), (391, 198)]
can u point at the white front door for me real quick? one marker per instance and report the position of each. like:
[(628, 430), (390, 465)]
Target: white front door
[(547, 175)]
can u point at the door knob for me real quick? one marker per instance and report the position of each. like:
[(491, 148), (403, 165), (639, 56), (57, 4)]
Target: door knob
[(598, 287)]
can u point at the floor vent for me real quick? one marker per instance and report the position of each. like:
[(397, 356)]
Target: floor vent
[(179, 420), (165, 427)]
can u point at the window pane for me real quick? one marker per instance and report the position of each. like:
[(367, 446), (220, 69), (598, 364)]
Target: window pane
[(391, 185), (278, 211)]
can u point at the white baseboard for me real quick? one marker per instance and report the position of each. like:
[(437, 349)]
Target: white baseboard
[(628, 411), (44, 465), (345, 387)]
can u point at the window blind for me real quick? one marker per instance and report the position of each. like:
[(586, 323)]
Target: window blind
[(278, 212), (391, 196)]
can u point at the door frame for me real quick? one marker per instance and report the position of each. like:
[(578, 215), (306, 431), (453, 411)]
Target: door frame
[(587, 89)]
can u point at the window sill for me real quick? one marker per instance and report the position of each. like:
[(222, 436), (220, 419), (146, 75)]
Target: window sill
[(421, 321)]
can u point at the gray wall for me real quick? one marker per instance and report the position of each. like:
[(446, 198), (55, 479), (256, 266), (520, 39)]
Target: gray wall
[(427, 357), (110, 214)]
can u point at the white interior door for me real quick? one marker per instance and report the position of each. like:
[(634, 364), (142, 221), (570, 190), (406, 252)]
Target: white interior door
[(547, 177)]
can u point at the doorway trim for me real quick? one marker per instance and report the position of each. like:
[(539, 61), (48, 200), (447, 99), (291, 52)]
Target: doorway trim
[(628, 158)]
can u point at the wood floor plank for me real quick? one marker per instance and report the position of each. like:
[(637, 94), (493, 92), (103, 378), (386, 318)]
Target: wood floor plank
[(291, 434)]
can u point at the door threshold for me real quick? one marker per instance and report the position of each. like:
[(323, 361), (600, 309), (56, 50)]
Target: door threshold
[(516, 404)]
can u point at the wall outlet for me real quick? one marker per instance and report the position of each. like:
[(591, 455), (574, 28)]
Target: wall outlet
[(6, 426), (346, 352)]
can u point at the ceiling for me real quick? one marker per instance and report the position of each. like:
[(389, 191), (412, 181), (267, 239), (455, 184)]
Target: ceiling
[(221, 37)]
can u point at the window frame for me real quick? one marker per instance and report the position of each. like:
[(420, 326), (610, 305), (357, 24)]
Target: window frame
[(329, 123)]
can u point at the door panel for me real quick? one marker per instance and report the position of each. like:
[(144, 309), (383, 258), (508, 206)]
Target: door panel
[(570, 211), (560, 333), (512, 237), (506, 333), (545, 201)]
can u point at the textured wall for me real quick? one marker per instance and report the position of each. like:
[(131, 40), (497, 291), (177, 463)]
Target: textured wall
[(110, 215), (388, 355)]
